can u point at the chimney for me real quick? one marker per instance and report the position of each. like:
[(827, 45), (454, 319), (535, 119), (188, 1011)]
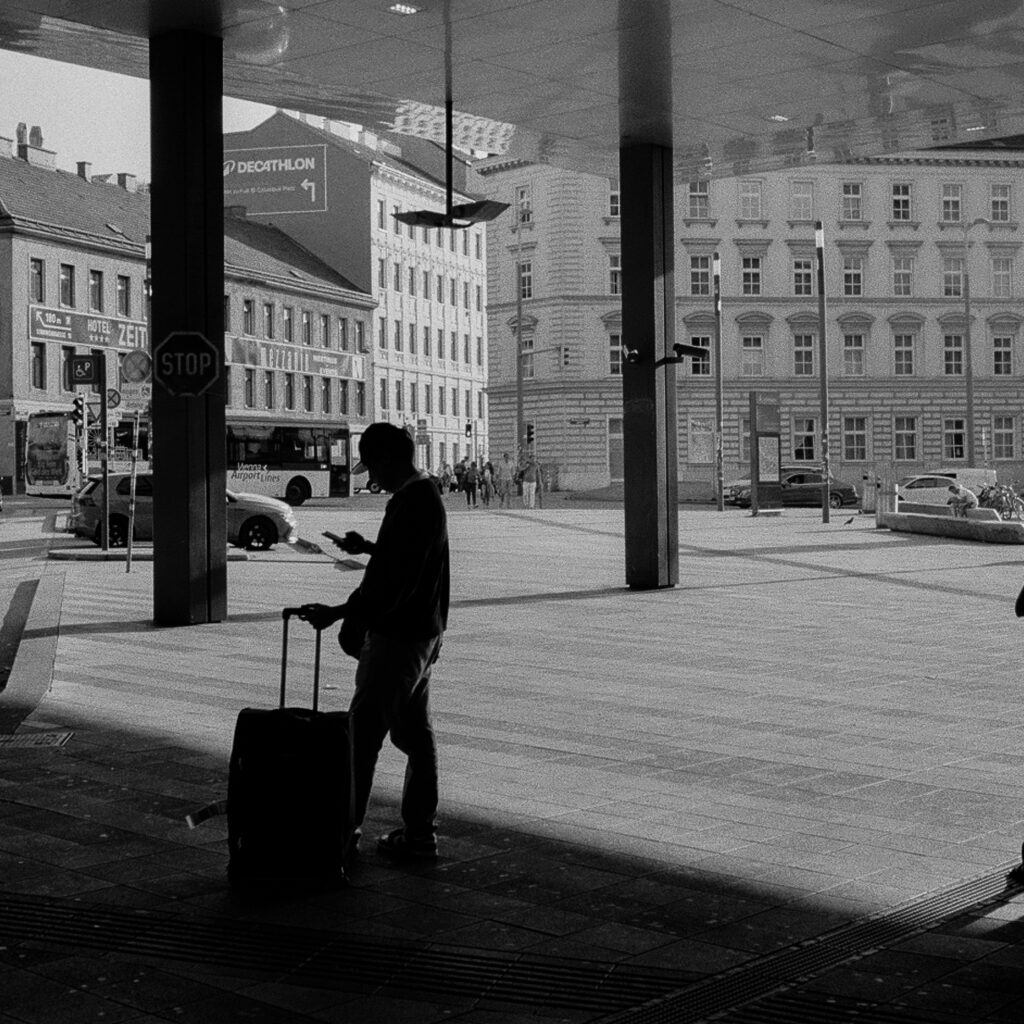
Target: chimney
[(84, 169), (126, 181), (21, 134), (32, 151)]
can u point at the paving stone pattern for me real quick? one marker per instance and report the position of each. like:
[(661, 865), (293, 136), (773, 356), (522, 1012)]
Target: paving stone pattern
[(641, 791)]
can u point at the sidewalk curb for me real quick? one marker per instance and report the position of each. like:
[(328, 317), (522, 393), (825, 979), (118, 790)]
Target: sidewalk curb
[(119, 555)]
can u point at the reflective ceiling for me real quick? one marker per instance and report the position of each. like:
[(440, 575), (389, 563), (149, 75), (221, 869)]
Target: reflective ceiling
[(733, 85)]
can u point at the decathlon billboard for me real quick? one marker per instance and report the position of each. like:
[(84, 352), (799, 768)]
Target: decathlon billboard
[(276, 179)]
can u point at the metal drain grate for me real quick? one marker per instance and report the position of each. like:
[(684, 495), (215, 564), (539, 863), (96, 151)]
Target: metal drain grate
[(763, 977), (820, 1008), (36, 739), (324, 959)]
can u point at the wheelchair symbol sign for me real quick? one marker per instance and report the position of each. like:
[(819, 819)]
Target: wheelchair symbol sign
[(84, 370)]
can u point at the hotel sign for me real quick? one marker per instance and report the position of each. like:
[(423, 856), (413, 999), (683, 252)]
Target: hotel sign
[(276, 179), (72, 328)]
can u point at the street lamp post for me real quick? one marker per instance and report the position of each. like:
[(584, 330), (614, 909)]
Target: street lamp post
[(520, 438), (716, 275), (819, 245), (968, 360)]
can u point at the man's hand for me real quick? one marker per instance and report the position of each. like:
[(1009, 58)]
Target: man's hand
[(355, 544), (320, 616)]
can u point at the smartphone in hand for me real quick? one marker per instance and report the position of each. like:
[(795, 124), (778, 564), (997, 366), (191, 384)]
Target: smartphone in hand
[(333, 537)]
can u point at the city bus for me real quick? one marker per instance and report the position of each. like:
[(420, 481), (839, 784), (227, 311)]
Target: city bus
[(285, 461), (52, 455)]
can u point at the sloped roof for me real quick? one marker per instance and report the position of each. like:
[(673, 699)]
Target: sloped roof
[(38, 196)]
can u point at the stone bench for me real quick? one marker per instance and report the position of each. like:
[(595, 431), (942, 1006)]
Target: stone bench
[(984, 515)]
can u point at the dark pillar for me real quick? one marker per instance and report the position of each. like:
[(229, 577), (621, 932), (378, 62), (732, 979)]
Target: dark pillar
[(189, 563), (649, 389)]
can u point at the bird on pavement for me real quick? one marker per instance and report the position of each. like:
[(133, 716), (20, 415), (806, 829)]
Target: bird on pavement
[(850, 520)]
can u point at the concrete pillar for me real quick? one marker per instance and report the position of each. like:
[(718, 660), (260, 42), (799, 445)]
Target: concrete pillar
[(649, 383), (190, 564)]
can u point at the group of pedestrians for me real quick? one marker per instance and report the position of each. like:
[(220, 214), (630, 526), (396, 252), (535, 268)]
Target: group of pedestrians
[(482, 483)]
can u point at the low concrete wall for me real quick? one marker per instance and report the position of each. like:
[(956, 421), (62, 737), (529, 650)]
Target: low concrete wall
[(946, 526)]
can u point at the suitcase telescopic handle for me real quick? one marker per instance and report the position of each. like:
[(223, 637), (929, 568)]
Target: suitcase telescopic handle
[(286, 614)]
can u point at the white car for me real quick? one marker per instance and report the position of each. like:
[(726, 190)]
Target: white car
[(926, 489)]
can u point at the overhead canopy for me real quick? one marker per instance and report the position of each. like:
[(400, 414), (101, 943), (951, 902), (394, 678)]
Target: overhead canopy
[(743, 85)]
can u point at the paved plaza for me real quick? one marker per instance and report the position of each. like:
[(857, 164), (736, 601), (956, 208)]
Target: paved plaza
[(789, 789)]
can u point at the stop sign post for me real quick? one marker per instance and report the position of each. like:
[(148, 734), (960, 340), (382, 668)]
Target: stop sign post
[(185, 364)]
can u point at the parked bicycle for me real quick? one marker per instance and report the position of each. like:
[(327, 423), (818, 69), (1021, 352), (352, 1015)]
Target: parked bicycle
[(1004, 499)]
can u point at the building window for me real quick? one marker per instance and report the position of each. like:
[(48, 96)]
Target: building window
[(952, 203), (307, 328), (249, 388), (453, 292), (801, 200), (426, 284), (428, 400), (67, 285), (1002, 277), (440, 344), (343, 333), (905, 438), (752, 355), (397, 336), (699, 200), (441, 401), (479, 298), (466, 352), (384, 392), (853, 275), (268, 389), (397, 268), (853, 201), (901, 205), (455, 401), (36, 280), (439, 239), (95, 291), (527, 357), (614, 274), (524, 204), (288, 323), (248, 316), (325, 394), (268, 320), (439, 293), (1003, 437), (615, 355), (700, 275), (750, 200), (805, 429), (361, 345), (426, 342), (382, 332), (803, 355), (999, 203), (67, 381), (954, 432), (803, 277), (399, 396), (853, 355), (382, 273), (37, 367), (479, 405), (478, 245), (124, 295), (526, 279), (1002, 356), (380, 213), (289, 390), (360, 398), (479, 350), (903, 355), (903, 276), (414, 398), (952, 277), (343, 397), (700, 366), (751, 275), (396, 225), (412, 339), (614, 197), (953, 355), (855, 438), (325, 330)]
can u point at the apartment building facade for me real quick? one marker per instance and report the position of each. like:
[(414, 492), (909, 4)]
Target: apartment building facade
[(918, 248), (429, 333)]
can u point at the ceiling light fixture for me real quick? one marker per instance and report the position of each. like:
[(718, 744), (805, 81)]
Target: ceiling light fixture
[(404, 9)]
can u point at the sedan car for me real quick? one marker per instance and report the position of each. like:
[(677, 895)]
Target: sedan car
[(925, 489), (253, 521), (801, 487), (733, 489)]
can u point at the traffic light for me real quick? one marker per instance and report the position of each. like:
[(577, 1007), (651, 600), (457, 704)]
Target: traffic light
[(469, 429), (529, 433), (78, 413)]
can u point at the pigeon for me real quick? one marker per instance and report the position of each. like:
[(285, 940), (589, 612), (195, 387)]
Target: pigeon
[(850, 520)]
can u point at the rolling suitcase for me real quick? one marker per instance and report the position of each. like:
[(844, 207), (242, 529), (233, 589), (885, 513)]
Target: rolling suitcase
[(290, 795)]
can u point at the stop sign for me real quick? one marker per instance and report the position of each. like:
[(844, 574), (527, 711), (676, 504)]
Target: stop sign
[(185, 363)]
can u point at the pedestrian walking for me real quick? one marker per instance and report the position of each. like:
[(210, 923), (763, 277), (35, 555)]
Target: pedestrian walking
[(504, 479), (531, 481), (487, 483), (398, 615), (470, 482)]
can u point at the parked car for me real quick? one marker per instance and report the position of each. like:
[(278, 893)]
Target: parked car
[(732, 489), (933, 488), (253, 521), (801, 487)]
